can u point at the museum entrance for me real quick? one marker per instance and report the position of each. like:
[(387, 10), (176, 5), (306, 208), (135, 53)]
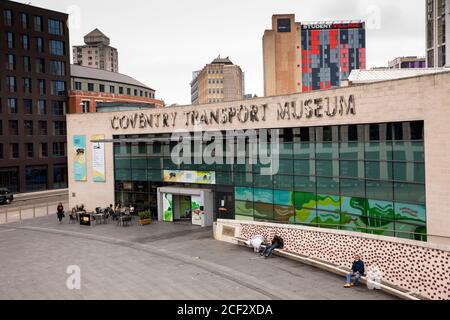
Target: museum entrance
[(186, 204)]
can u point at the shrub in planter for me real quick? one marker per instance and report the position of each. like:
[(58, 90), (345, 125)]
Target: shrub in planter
[(145, 217)]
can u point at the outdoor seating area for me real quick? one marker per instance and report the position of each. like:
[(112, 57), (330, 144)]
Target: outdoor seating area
[(122, 216)]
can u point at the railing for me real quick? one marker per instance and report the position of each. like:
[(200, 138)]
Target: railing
[(28, 212)]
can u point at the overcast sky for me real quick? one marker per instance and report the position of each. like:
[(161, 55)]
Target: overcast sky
[(161, 42)]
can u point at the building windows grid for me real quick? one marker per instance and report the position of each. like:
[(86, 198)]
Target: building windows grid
[(339, 177)]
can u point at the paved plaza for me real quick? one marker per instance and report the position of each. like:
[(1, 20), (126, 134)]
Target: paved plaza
[(158, 261)]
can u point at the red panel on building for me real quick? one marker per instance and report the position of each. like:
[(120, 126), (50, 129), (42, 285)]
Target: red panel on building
[(362, 58), (344, 58), (315, 41), (334, 40)]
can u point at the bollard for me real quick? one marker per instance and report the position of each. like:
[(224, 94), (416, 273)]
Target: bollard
[(20, 214), (34, 212), (6, 216), (47, 209)]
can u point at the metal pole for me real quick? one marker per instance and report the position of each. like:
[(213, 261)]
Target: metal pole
[(6, 216), (20, 214), (47, 209), (34, 212)]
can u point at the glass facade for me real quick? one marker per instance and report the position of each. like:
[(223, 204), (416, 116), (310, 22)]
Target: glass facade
[(364, 178)]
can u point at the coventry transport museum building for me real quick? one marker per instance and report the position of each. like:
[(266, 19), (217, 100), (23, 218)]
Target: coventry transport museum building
[(370, 158)]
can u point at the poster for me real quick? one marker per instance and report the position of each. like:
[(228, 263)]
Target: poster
[(98, 158), (198, 211), (197, 177), (167, 207), (79, 158)]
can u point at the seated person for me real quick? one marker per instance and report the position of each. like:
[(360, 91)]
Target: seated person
[(357, 272), (277, 243)]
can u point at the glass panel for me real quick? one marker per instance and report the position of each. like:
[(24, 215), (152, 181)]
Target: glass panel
[(263, 211), (410, 213), (263, 181), (286, 150), (409, 172), (381, 227), (328, 185), (354, 206), (304, 167), (263, 195), (286, 167), (327, 150), (304, 200), (352, 169), (408, 151), (379, 151), (244, 194), (352, 151), (154, 175), (379, 170), (407, 231), (139, 174), (139, 163), (353, 223), (243, 208), (381, 190), (284, 198), (329, 203), (304, 151), (122, 174), (406, 192), (122, 163), (224, 178), (418, 151), (306, 216), (284, 214), (243, 179), (304, 183), (327, 168), (377, 209), (283, 182), (328, 218), (353, 188)]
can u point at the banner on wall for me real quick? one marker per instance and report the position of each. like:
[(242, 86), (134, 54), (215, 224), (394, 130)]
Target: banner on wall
[(198, 211), (167, 207), (79, 158), (98, 158), (197, 177)]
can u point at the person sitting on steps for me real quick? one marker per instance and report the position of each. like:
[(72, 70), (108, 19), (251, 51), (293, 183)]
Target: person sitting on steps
[(357, 272), (277, 243)]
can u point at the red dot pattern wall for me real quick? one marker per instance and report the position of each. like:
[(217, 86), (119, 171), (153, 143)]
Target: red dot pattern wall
[(418, 269)]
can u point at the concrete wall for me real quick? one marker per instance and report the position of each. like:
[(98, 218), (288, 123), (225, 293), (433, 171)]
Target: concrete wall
[(421, 98)]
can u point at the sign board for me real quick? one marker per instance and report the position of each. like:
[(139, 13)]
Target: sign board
[(195, 177), (85, 219), (98, 158), (79, 158)]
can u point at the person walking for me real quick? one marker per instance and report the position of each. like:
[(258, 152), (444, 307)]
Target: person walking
[(357, 272), (60, 212)]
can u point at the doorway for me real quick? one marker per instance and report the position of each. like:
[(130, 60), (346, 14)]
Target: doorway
[(183, 204)]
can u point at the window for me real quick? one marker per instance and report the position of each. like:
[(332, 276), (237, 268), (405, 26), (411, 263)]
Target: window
[(90, 87), (14, 150), (101, 88), (27, 85), (57, 68), (8, 18), (25, 42), (59, 108), (1, 151), (11, 83), (36, 178), (60, 176), (42, 107), (55, 27), (59, 128), (58, 88), (43, 128), (29, 150), (12, 105), (59, 149), (43, 150), (28, 127), (112, 89), (41, 86), (284, 25), (10, 40), (40, 44), (77, 85), (24, 20), (28, 106), (40, 65), (10, 62), (38, 24), (141, 93), (26, 64), (13, 127), (56, 47), (135, 92), (120, 90), (85, 106)]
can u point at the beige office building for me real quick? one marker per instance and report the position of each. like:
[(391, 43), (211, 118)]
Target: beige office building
[(282, 54), (219, 81), (96, 53)]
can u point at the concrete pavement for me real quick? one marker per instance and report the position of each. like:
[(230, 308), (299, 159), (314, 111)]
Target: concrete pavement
[(159, 261)]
